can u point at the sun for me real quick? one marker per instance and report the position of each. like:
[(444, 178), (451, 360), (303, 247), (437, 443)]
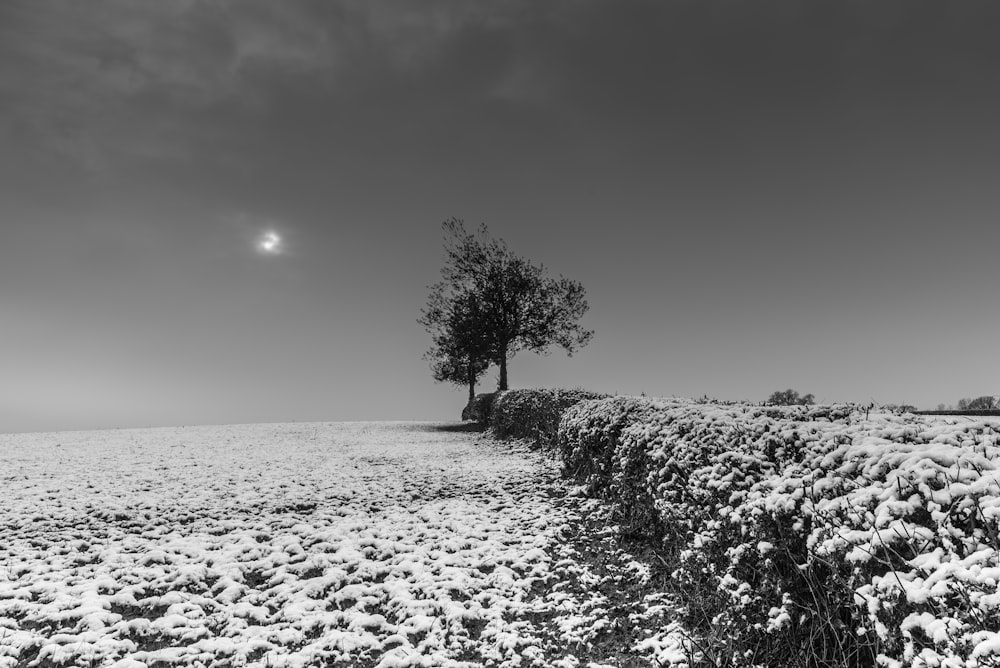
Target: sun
[(269, 243)]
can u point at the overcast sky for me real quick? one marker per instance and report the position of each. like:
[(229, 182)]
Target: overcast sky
[(756, 195)]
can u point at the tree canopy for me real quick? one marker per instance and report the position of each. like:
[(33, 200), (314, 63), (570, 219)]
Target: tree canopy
[(458, 353), (504, 303)]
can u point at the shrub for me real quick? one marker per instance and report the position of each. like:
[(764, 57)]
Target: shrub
[(809, 535), (533, 413), (589, 434), (677, 476), (478, 410)]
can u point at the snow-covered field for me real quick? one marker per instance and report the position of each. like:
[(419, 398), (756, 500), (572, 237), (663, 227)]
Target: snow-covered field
[(353, 544)]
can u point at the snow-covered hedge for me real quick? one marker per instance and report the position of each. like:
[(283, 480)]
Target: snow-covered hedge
[(809, 535), (478, 410), (589, 434), (533, 413)]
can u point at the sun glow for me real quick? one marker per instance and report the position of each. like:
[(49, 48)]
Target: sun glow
[(269, 243)]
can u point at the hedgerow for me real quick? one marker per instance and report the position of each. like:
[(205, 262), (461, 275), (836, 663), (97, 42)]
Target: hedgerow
[(808, 535), (478, 410), (533, 413), (589, 433)]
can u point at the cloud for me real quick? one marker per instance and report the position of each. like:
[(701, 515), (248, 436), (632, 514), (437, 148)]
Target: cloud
[(99, 81), (188, 52), (112, 79), (108, 82)]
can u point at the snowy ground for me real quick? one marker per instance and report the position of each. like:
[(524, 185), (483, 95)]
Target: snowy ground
[(345, 544)]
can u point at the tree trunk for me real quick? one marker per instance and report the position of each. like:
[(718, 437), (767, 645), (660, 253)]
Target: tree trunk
[(472, 384), (503, 373)]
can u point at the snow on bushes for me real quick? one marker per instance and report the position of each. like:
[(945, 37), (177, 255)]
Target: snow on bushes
[(589, 433), (478, 410), (533, 413), (809, 535)]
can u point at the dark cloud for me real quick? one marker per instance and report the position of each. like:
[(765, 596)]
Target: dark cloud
[(111, 80), (99, 80)]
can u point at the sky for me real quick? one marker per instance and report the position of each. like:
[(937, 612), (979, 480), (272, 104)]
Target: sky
[(756, 196)]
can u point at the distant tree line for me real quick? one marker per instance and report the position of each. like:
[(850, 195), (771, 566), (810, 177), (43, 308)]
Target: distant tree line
[(984, 403), (793, 398), (790, 398)]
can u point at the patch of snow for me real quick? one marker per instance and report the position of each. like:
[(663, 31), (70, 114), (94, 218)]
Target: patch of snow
[(277, 545)]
